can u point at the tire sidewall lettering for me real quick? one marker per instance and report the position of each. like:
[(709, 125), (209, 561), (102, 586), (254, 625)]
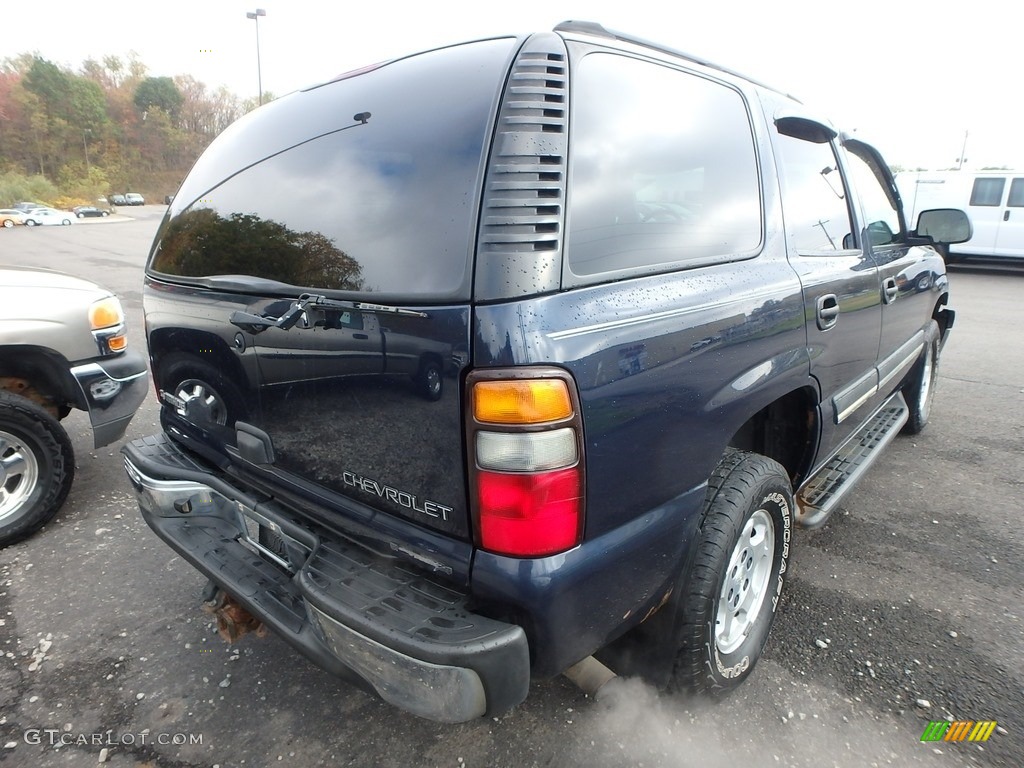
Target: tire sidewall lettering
[(740, 662), (735, 670)]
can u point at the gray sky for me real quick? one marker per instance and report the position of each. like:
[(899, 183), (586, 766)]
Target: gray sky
[(909, 76)]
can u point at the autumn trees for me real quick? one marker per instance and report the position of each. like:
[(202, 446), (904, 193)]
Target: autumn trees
[(107, 127)]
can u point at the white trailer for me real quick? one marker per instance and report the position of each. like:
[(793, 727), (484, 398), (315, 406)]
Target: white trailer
[(994, 201)]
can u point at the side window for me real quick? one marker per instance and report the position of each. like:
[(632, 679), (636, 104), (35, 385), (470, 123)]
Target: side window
[(988, 192), (663, 170), (813, 196), (882, 218), (1016, 199)]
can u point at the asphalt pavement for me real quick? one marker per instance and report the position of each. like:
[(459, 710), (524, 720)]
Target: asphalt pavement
[(904, 609)]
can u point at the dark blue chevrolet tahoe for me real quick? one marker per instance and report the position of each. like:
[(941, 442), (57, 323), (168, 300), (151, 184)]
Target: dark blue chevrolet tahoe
[(479, 361)]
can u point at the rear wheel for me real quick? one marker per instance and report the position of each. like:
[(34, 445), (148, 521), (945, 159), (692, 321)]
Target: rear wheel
[(8, 223), (429, 380), (208, 397), (726, 604), (37, 466)]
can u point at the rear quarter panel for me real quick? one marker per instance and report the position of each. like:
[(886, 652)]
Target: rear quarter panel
[(668, 366)]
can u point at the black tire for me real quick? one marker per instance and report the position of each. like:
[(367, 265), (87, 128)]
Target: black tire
[(104, 214), (213, 399), (429, 380), (726, 604), (37, 467), (919, 388), (8, 223), (30, 223), (66, 223)]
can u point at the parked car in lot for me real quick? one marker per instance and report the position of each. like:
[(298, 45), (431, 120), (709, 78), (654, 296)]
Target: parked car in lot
[(681, 340), (63, 345), (134, 198), (42, 217), (89, 211), (118, 200), (11, 217)]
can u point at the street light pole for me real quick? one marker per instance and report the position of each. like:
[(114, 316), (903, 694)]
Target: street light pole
[(85, 146), (255, 16), (963, 152)]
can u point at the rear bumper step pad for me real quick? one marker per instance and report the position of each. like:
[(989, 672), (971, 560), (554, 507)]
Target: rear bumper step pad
[(358, 614)]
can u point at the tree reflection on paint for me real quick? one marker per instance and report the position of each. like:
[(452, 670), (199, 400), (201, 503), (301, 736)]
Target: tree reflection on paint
[(202, 242)]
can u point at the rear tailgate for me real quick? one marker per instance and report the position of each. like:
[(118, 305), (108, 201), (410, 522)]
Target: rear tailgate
[(308, 293), (349, 417)]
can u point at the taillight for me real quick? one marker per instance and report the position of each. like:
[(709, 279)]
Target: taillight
[(526, 460)]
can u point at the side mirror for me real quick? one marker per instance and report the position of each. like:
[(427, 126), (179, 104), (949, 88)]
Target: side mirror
[(879, 233), (944, 225)]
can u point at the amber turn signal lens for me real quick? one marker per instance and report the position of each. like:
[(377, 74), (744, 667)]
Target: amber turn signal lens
[(526, 401), (117, 343)]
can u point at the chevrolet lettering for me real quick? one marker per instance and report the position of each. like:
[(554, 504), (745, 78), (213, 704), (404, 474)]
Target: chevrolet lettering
[(407, 500)]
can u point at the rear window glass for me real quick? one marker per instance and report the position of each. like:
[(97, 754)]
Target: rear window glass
[(381, 202), (987, 192), (663, 169)]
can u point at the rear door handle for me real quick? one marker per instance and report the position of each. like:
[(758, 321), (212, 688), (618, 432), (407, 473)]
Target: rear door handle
[(361, 336), (828, 311), (890, 289), (1006, 215)]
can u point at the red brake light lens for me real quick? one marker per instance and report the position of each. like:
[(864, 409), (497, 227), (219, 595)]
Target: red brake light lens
[(530, 515)]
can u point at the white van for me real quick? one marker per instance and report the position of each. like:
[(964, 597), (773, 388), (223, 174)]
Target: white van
[(994, 201)]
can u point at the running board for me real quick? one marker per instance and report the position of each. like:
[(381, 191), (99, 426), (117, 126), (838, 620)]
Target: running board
[(823, 492)]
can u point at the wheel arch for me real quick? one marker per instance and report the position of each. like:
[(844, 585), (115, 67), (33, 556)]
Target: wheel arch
[(202, 345), (431, 357), (944, 316), (48, 374), (786, 430)]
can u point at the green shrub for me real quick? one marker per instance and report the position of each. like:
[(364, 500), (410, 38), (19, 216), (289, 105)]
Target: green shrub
[(76, 182), (16, 187)]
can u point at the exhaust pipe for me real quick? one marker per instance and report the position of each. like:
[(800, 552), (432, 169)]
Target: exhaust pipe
[(590, 675)]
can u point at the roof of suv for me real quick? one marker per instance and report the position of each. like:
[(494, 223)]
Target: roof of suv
[(593, 29)]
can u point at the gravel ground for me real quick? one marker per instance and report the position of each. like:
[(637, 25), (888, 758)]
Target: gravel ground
[(906, 607)]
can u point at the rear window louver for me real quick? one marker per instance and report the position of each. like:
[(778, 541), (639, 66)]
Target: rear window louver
[(519, 249)]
